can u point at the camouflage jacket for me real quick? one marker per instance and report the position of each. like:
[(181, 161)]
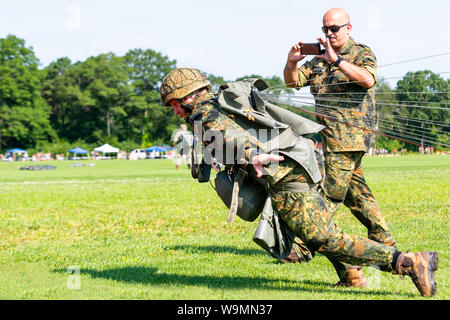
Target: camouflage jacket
[(207, 112), (343, 107)]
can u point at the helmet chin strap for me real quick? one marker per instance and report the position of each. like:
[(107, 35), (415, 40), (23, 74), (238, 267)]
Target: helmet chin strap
[(188, 107)]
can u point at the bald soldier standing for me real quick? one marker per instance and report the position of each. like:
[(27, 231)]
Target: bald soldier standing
[(342, 81)]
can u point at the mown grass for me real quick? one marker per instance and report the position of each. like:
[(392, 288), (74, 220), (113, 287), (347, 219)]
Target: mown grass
[(143, 230)]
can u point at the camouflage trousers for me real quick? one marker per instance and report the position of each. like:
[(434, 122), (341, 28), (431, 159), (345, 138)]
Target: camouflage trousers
[(308, 216), (345, 183)]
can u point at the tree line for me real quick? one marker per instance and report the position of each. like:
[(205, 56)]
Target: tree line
[(417, 110), (115, 99)]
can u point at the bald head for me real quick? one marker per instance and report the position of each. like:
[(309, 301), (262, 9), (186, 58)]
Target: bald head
[(337, 15)]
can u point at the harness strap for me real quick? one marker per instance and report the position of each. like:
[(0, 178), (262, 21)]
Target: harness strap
[(238, 179), (294, 187)]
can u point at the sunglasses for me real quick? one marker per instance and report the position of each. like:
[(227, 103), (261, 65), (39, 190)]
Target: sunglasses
[(333, 28)]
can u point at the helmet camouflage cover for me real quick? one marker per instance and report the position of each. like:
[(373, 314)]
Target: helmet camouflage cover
[(180, 82)]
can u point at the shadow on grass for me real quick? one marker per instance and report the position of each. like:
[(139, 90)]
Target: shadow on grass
[(150, 275), (219, 249)]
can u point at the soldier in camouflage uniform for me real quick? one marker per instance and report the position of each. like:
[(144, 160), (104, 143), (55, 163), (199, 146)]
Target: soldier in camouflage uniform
[(305, 212), (342, 81)]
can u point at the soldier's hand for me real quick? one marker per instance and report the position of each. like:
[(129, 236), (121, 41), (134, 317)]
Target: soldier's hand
[(330, 55), (261, 159), (295, 54)]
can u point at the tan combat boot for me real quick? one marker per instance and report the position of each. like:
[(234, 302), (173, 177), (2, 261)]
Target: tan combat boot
[(353, 278), (420, 267)]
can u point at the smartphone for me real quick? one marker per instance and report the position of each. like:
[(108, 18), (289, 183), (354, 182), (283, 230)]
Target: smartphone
[(311, 48)]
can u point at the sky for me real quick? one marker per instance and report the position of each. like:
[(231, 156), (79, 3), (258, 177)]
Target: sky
[(229, 38)]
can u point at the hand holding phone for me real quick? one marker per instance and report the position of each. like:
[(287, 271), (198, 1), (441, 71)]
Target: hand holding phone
[(310, 49)]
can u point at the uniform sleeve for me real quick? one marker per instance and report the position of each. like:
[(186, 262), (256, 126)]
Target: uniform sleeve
[(366, 58), (304, 73), (235, 140)]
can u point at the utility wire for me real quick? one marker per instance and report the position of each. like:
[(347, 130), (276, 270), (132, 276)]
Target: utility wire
[(419, 134), (399, 136), (394, 63), (412, 127), (309, 96), (376, 93), (350, 82), (296, 99), (380, 103), (408, 126), (388, 134), (415, 59)]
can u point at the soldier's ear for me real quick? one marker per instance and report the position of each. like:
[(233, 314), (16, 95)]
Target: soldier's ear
[(349, 27)]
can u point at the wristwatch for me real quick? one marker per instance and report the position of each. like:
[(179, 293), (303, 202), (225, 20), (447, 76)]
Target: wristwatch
[(339, 59)]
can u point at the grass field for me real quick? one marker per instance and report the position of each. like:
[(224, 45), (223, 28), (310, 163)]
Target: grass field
[(143, 230)]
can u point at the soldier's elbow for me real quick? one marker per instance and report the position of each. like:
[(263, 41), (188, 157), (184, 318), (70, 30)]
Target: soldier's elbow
[(367, 83), (291, 84)]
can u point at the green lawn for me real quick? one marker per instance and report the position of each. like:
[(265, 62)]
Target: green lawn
[(143, 230)]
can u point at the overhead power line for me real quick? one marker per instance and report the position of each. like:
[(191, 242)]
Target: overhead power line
[(412, 138)]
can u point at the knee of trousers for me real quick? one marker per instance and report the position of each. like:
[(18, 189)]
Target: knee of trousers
[(317, 241)]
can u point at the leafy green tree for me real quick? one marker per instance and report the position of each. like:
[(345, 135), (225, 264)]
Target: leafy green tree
[(215, 81), (425, 89), (387, 121), (108, 84), (88, 98), (59, 93), (110, 98), (149, 122), (24, 114)]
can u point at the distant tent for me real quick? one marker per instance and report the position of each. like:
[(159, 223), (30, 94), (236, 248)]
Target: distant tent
[(106, 148), (16, 150), (168, 148), (156, 149), (22, 153), (78, 150)]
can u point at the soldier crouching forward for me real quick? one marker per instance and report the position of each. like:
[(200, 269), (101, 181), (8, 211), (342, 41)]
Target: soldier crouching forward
[(264, 144)]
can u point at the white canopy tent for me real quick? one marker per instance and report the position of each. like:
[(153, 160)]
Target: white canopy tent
[(106, 148)]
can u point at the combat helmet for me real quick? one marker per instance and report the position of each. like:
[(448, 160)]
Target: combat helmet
[(180, 82)]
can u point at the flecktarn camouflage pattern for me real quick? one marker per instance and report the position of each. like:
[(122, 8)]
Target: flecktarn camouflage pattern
[(348, 112), (344, 107), (307, 215)]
